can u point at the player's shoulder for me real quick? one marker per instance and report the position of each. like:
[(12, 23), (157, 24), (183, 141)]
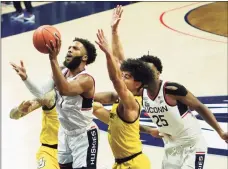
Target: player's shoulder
[(174, 88), (172, 83), (86, 80), (87, 76)]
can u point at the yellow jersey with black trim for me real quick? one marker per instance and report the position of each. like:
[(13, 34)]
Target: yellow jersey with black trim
[(50, 126), (124, 137)]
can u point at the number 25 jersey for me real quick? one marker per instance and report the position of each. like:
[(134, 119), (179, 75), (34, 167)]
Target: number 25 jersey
[(175, 119)]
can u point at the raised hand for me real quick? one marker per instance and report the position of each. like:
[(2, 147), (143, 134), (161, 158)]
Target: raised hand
[(116, 17), (54, 50), (21, 71), (102, 42)]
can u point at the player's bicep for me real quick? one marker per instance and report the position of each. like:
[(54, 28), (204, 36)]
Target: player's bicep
[(180, 93), (124, 94), (106, 97), (191, 101), (80, 85), (175, 89)]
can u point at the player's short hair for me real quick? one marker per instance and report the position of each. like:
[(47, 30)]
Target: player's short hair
[(90, 49), (153, 59), (139, 70)]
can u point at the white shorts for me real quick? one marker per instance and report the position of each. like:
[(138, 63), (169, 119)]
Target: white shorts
[(191, 156), (78, 147)]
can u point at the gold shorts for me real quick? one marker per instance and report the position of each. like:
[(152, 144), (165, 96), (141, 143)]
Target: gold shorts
[(139, 162), (47, 158)]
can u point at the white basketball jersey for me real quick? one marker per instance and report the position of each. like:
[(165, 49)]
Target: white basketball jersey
[(75, 112), (177, 121)]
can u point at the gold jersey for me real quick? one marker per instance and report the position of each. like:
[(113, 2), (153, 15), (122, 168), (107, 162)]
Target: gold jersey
[(124, 137), (50, 127)]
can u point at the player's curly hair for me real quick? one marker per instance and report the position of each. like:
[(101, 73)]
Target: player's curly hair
[(90, 48), (153, 59), (140, 71)]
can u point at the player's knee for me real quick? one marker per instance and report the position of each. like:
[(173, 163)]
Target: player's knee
[(66, 166)]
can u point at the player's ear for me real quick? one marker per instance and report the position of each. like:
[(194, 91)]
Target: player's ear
[(85, 58), (138, 85)]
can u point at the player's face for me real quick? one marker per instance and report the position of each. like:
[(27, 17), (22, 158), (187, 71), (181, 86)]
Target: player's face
[(76, 51), (131, 84)]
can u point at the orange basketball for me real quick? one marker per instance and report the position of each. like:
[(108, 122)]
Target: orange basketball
[(43, 35)]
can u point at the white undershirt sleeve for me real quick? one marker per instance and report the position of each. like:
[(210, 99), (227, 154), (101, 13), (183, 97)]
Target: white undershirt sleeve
[(37, 89)]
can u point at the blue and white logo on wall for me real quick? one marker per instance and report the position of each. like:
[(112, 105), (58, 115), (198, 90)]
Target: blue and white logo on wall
[(219, 107)]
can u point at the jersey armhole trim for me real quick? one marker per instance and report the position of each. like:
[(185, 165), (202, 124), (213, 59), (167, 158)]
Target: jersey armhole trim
[(45, 108), (164, 94), (129, 122)]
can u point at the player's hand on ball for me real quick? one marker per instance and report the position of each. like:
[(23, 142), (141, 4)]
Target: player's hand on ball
[(116, 17), (54, 50), (21, 71), (102, 42)]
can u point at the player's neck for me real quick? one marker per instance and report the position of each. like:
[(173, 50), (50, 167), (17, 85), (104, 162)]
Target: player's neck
[(76, 71), (154, 88)]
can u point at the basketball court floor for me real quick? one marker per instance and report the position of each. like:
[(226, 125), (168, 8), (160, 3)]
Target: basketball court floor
[(192, 57)]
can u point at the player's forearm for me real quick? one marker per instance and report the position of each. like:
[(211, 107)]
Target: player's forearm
[(39, 90), (16, 114), (113, 69), (36, 104), (60, 81), (145, 129), (106, 97), (209, 118), (152, 131), (115, 75), (117, 48), (102, 114)]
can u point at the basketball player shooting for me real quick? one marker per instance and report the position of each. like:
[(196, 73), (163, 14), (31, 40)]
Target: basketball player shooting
[(75, 89)]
